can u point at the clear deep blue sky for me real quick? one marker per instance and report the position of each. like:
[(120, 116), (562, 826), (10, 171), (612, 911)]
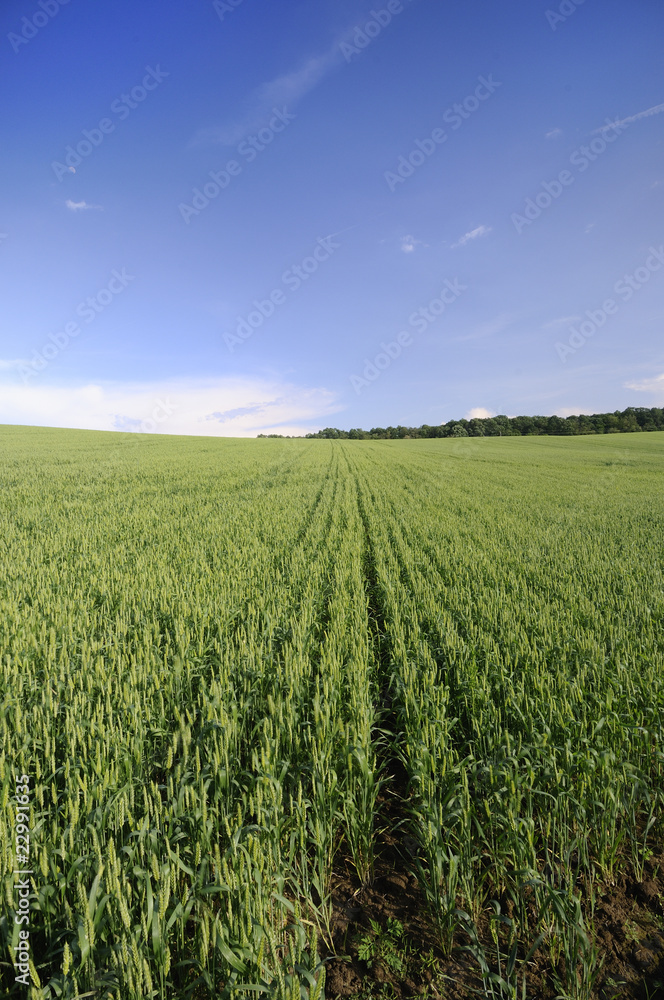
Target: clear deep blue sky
[(316, 120)]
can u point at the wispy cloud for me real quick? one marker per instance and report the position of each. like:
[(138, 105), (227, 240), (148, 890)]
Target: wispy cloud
[(488, 329), (81, 206), (561, 321), (472, 235), (238, 407), (658, 108), (239, 411), (287, 89), (290, 88), (655, 385), (554, 133), (9, 364)]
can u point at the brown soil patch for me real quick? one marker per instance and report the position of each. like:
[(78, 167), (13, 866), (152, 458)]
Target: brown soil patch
[(629, 935)]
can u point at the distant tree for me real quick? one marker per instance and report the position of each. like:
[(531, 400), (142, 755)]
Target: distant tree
[(524, 425), (503, 424), (556, 425), (628, 422), (475, 428), (634, 418)]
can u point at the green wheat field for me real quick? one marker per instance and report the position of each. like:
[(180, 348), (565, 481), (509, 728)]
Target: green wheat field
[(235, 671)]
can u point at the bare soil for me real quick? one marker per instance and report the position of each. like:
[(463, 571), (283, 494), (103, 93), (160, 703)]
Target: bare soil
[(628, 925)]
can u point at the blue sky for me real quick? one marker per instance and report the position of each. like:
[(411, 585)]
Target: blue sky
[(242, 217)]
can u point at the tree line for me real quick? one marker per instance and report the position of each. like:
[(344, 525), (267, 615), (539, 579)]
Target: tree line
[(634, 418)]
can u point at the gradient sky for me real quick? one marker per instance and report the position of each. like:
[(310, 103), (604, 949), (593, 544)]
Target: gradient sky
[(183, 90)]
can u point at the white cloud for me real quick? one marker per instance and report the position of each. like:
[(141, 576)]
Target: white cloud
[(81, 206), (479, 413), (574, 411), (231, 407), (656, 110), (554, 133), (409, 243), (472, 235), (655, 385)]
